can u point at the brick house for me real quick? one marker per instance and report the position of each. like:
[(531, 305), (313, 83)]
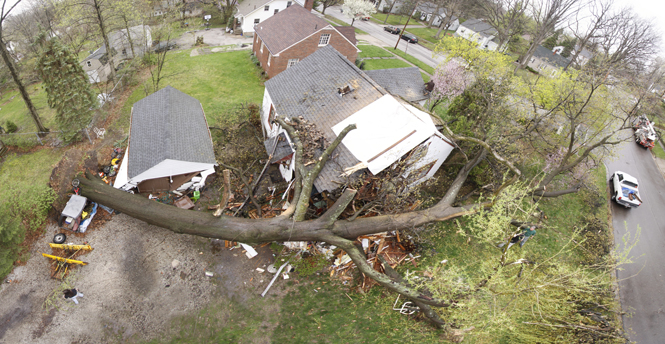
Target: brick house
[(295, 33)]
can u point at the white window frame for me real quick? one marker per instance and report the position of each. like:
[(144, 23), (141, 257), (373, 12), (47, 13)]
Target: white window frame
[(269, 57), (324, 39), (292, 62), (257, 20), (266, 8), (276, 10), (262, 47)]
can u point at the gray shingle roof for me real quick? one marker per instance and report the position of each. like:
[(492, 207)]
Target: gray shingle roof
[(168, 124), (288, 27), (309, 89), (97, 54), (403, 82), (553, 59), (480, 27), (248, 6), (282, 150), (349, 32)]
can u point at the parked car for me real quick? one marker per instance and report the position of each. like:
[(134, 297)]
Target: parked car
[(163, 46), (624, 189), (410, 38), (392, 29)]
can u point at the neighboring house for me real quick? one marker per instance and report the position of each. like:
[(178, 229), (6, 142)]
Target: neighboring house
[(428, 9), (329, 91), (295, 33), (547, 62), (97, 66), (476, 30), (252, 12), (406, 83), (169, 143), (139, 37), (583, 57), (386, 6), (187, 8)]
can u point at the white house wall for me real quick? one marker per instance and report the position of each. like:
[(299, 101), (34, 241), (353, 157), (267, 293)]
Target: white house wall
[(437, 152), (168, 168), (261, 14)]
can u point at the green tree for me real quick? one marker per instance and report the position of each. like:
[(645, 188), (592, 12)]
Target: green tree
[(68, 89)]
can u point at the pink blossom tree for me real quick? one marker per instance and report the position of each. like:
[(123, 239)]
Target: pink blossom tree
[(449, 81)]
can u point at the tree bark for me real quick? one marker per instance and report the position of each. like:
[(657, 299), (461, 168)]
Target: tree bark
[(19, 84), (102, 28)]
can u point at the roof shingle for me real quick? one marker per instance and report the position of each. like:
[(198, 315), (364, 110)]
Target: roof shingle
[(168, 124), (403, 82)]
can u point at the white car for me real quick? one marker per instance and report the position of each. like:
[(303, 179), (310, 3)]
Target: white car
[(624, 189)]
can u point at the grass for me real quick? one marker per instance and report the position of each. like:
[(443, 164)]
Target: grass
[(12, 107), (428, 34), (337, 22), (658, 151), (384, 64), (415, 61), (220, 81), (373, 51)]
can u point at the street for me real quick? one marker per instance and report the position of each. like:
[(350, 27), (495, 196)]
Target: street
[(641, 284), (376, 31)]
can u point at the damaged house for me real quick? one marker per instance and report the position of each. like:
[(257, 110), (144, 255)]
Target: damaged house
[(330, 92), (169, 144)]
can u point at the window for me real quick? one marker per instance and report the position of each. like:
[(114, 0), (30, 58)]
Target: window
[(267, 8), (89, 64), (276, 10), (292, 62), (124, 51), (271, 115), (324, 40), (262, 47), (288, 4), (256, 21), (269, 57)]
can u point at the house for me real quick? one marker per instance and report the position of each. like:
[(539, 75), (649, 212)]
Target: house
[(476, 30), (169, 143), (97, 66), (252, 12), (295, 33), (329, 91), (137, 41), (583, 57), (428, 9), (547, 62), (406, 83)]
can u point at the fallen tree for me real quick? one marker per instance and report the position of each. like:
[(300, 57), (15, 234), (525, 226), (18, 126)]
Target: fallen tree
[(292, 224)]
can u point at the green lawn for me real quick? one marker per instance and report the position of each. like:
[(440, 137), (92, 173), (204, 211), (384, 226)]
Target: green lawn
[(12, 107), (220, 81), (384, 64), (658, 152), (420, 64), (428, 34), (373, 51)]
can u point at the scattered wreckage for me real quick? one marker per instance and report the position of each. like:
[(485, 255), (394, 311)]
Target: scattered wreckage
[(645, 134)]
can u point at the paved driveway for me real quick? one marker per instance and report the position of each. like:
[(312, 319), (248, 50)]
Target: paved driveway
[(642, 284), (213, 37)]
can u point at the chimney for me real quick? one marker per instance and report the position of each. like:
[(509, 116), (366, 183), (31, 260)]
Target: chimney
[(309, 4)]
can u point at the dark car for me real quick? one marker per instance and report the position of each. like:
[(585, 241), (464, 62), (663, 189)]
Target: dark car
[(392, 29), (162, 46), (410, 38)]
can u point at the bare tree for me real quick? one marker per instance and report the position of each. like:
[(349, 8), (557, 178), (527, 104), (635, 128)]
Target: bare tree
[(507, 17), (9, 62), (547, 16), (588, 30), (453, 8)]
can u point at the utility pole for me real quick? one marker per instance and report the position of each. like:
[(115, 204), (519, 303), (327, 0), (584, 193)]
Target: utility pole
[(407, 23)]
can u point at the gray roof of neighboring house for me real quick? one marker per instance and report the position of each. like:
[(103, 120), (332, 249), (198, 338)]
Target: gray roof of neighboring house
[(97, 54), (138, 34), (586, 53), (480, 27), (247, 6), (168, 124), (555, 60), (309, 89), (288, 27), (282, 150), (404, 82)]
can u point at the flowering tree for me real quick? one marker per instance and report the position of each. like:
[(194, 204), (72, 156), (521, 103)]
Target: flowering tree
[(450, 81), (358, 9)]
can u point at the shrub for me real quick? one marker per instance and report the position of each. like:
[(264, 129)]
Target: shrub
[(10, 126)]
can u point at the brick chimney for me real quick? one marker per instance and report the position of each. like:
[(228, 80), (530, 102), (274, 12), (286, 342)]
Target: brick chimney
[(309, 4)]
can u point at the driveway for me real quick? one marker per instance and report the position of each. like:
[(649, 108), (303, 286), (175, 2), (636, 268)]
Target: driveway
[(213, 37), (642, 284), (384, 38)]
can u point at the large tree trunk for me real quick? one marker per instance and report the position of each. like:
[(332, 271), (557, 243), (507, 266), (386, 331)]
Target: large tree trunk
[(26, 97), (103, 29)]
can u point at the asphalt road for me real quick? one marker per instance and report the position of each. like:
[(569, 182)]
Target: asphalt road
[(376, 31), (642, 284)]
